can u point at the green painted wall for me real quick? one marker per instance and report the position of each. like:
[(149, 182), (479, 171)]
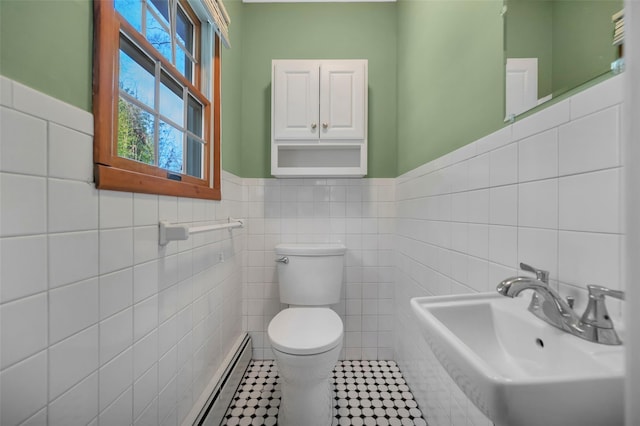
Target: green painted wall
[(231, 138), (529, 34), (47, 45), (450, 76), (318, 31), (582, 37), (436, 79), (571, 39), (56, 58)]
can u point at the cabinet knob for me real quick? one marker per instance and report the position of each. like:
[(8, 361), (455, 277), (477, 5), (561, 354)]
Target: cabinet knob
[(314, 125), (325, 125)]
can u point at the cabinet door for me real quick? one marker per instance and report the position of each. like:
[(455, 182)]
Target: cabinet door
[(295, 100), (342, 99)]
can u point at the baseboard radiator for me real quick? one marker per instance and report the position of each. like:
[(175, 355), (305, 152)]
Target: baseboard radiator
[(214, 410)]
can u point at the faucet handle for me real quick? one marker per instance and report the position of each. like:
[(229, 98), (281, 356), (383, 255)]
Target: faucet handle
[(541, 275), (596, 313), (597, 291)]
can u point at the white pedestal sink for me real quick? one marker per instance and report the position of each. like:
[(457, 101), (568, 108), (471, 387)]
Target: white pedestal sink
[(519, 370)]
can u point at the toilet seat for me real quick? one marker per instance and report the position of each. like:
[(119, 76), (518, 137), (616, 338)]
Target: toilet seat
[(305, 331)]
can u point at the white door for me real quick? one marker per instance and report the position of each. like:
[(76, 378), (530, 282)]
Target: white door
[(522, 85), (295, 101), (342, 100)]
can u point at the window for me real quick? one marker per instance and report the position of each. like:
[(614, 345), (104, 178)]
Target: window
[(156, 98)]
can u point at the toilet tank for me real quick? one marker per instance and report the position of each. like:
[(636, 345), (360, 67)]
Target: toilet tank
[(311, 275)]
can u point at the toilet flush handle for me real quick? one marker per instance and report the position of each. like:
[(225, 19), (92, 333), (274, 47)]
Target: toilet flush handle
[(283, 259)]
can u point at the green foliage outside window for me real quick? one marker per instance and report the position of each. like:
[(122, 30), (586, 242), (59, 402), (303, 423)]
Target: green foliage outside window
[(134, 140)]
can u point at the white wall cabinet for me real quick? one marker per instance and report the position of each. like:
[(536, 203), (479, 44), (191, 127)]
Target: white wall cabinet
[(319, 118)]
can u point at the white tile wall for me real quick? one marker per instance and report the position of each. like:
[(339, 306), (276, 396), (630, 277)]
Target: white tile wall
[(72, 360), (24, 143), (122, 331), (551, 197), (357, 212), (24, 328), (97, 323), (24, 388), (32, 269), (24, 200)]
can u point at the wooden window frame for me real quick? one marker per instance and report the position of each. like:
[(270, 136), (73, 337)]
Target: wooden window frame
[(121, 174)]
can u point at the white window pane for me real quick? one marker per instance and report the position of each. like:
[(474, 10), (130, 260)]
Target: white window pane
[(131, 10), (194, 117), (136, 73), (184, 31), (171, 102), (158, 36), (195, 148), (184, 64), (161, 7), (170, 148)]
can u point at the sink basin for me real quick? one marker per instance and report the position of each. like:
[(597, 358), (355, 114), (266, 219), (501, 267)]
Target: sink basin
[(519, 370)]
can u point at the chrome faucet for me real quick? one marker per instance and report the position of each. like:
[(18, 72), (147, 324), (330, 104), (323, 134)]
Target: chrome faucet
[(595, 325), (595, 321)]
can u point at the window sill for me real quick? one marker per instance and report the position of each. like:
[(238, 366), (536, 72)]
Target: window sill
[(125, 180)]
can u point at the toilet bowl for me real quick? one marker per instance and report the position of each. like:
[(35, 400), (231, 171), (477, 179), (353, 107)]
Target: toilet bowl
[(306, 344), (307, 336)]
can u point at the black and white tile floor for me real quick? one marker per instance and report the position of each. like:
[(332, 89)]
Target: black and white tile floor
[(366, 393)]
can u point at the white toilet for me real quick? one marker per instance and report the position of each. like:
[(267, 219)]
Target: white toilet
[(307, 337)]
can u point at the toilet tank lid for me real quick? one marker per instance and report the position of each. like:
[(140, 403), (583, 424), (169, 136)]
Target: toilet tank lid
[(310, 249)]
